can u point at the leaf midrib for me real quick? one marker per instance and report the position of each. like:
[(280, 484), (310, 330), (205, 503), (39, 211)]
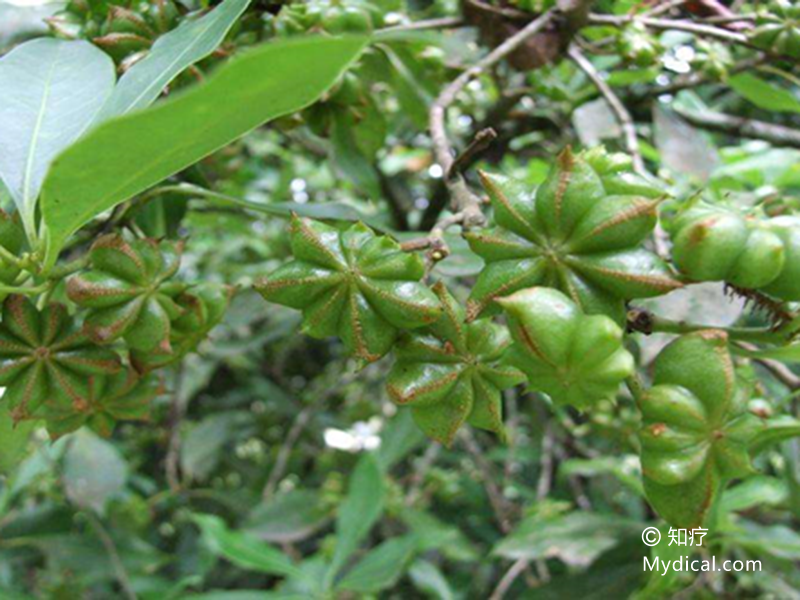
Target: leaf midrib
[(29, 162)]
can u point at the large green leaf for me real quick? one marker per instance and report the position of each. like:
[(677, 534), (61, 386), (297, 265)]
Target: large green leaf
[(243, 550), (94, 471), (127, 155), (380, 568), (13, 440), (50, 91), (358, 513), (169, 56), (764, 94)]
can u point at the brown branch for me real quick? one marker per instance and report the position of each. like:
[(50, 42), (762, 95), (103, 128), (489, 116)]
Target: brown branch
[(285, 452), (665, 24), (621, 113), (516, 569), (739, 126), (462, 199), (479, 143), (443, 23)]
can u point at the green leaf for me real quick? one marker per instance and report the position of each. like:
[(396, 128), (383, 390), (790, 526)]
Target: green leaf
[(358, 513), (764, 94), (430, 580), (380, 568), (243, 550), (170, 55), (758, 491), (288, 517), (50, 91), (13, 440), (790, 353), (576, 538), (127, 155), (774, 430), (765, 540), (94, 471)]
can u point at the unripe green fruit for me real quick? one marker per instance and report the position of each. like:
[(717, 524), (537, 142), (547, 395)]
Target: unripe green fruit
[(353, 284), (786, 285), (128, 292), (124, 396), (347, 19), (202, 308), (571, 234), (695, 428), (449, 373), (715, 244), (574, 358), (778, 29), (46, 362)]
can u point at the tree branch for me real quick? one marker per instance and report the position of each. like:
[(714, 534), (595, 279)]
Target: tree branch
[(664, 24), (739, 126), (621, 113), (463, 201)]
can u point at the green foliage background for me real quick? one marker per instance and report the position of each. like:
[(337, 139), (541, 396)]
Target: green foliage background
[(271, 467)]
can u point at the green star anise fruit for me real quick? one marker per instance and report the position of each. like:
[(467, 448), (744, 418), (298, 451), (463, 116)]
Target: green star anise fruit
[(778, 29), (353, 284), (712, 243), (574, 358), (203, 307), (695, 428), (124, 396), (129, 293), (46, 361), (573, 235), (450, 373)]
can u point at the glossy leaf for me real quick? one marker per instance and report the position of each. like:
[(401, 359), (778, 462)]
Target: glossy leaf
[(94, 471), (243, 550), (169, 56), (125, 156), (358, 513), (764, 94), (380, 568), (50, 91)]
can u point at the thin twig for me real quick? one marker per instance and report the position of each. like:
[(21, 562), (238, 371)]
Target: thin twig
[(177, 410), (741, 127), (421, 467), (546, 464), (621, 113), (463, 200), (665, 24), (496, 499), (777, 369), (113, 555), (508, 579), (479, 143), (300, 422), (443, 23)]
